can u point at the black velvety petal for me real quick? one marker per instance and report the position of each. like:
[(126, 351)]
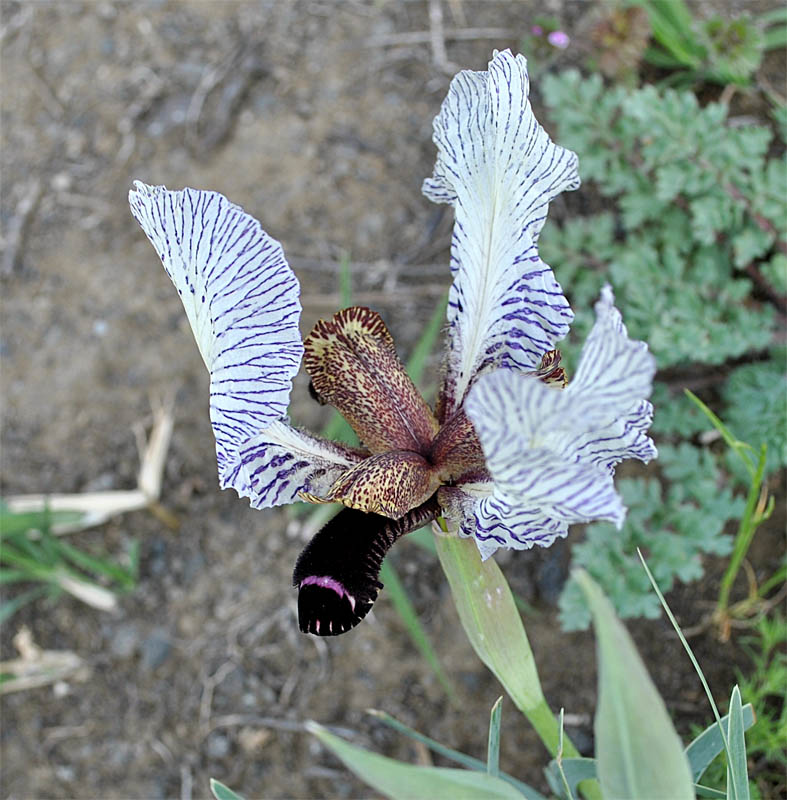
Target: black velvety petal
[(336, 574)]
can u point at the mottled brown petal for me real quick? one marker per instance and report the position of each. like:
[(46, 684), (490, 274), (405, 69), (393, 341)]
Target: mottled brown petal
[(390, 484), (456, 450), (353, 365)]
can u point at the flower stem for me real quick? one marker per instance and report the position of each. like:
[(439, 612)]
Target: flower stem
[(494, 628)]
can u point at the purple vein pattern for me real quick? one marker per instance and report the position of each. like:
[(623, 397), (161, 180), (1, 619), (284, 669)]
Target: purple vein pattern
[(281, 462), (499, 169), (241, 299), (551, 453)]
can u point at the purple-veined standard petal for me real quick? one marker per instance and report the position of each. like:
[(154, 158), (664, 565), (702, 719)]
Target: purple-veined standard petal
[(552, 453), (241, 299), (499, 169)]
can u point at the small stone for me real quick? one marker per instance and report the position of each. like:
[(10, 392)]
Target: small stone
[(65, 772), (156, 649), (193, 567), (124, 641), (61, 182), (218, 745)]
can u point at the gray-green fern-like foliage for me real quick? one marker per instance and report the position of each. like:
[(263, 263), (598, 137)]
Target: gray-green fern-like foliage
[(691, 231)]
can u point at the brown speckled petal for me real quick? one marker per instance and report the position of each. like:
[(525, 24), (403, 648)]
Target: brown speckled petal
[(353, 365), (390, 484), (456, 450)]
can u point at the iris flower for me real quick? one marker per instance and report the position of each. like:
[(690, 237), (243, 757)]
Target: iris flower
[(511, 454)]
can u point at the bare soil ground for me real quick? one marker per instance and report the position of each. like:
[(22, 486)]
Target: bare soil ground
[(316, 118)]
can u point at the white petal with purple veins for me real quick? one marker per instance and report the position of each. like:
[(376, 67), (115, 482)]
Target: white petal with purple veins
[(625, 437), (500, 170), (553, 452), (482, 512), (614, 372), (241, 299), (500, 521), (281, 462)]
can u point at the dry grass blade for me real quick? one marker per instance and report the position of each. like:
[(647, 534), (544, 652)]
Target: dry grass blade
[(97, 507), (36, 667)]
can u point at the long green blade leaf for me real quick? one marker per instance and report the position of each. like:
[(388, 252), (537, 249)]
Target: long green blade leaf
[(222, 792), (405, 781), (741, 449), (707, 791), (423, 349), (10, 607), (776, 37), (12, 522), (454, 755), (683, 641), (492, 623), (493, 746), (490, 618), (737, 770), (345, 281), (575, 770), (710, 743), (638, 752), (98, 565)]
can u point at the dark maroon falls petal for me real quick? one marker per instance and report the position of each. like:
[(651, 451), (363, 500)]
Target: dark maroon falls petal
[(337, 572)]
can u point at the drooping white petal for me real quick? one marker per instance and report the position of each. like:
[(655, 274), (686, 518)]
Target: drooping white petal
[(281, 462), (553, 452), (614, 372), (241, 299), (502, 521), (500, 170), (625, 437), (482, 512)]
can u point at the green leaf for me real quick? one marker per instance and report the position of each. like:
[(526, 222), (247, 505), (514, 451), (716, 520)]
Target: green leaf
[(9, 607), (773, 16), (755, 396), (423, 348), (737, 771), (12, 522), (222, 792), (575, 770), (742, 449), (707, 791), (454, 755), (775, 37), (493, 746), (705, 747), (398, 780), (121, 575), (746, 530), (638, 752), (490, 618), (663, 59), (345, 281), (775, 271), (672, 23)]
